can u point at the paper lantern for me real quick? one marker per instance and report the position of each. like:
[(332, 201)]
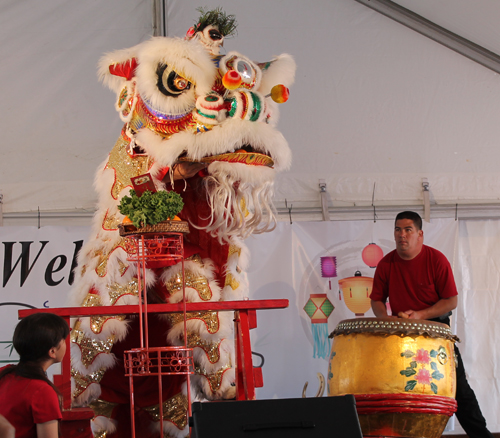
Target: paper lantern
[(356, 291), (372, 254), (319, 308), (329, 268)]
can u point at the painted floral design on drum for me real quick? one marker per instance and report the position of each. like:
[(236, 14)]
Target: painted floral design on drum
[(424, 369), (330, 374)]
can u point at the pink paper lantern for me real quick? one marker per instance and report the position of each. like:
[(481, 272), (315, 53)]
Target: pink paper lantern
[(372, 254)]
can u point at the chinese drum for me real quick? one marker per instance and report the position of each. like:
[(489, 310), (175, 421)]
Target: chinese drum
[(402, 373)]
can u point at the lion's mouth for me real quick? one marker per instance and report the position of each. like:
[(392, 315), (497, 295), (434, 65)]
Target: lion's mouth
[(244, 155)]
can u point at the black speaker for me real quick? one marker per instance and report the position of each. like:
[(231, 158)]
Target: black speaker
[(320, 417)]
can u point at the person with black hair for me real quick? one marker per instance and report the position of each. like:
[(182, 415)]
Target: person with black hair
[(419, 284), (28, 399)]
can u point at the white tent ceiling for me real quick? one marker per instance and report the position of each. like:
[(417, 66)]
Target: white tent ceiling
[(376, 106)]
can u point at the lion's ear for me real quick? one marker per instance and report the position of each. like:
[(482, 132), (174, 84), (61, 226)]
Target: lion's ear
[(117, 68), (280, 70), (124, 69)]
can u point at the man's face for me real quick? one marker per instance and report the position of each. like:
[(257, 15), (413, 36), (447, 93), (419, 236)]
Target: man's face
[(408, 239)]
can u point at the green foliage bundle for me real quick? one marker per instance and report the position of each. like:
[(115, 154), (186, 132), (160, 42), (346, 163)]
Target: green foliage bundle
[(150, 208)]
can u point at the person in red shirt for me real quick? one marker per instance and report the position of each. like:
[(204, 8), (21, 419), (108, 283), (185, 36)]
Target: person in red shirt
[(28, 399), (419, 284)]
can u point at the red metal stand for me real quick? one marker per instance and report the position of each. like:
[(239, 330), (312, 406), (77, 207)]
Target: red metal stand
[(247, 377), (161, 361)]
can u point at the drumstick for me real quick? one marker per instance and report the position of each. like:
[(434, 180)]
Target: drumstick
[(403, 315)]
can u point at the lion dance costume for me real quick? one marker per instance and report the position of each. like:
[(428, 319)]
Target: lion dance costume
[(181, 101)]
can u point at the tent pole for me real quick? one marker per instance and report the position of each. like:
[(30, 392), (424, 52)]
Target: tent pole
[(427, 203), (324, 200), (437, 33), (158, 17), (1, 209)]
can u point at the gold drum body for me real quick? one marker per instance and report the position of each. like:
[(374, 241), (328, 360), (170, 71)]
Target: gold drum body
[(402, 373)]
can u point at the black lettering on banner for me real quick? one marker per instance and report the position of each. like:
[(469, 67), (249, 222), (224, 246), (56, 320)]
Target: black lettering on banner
[(78, 247), (24, 258), (50, 270)]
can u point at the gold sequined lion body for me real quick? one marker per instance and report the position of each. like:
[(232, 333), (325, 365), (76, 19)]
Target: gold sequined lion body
[(180, 106)]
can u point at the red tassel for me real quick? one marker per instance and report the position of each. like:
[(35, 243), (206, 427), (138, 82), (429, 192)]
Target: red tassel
[(340, 296)]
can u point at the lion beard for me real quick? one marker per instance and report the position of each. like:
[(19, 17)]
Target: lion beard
[(240, 200)]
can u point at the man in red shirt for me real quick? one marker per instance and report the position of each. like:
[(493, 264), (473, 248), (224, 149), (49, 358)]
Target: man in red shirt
[(418, 282)]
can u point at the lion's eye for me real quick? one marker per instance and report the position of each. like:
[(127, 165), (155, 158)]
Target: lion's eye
[(215, 35), (169, 82), (181, 83)]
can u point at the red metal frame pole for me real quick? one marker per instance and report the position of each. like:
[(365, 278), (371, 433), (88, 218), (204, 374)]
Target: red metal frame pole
[(139, 248)]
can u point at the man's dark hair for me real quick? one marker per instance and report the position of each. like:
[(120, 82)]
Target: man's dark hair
[(415, 217)]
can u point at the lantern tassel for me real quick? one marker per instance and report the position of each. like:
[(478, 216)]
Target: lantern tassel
[(322, 343)]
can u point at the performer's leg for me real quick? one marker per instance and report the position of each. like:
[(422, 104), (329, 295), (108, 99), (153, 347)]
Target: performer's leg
[(468, 411)]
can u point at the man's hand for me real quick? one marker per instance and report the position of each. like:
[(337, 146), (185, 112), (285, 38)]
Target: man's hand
[(185, 170), (443, 306), (380, 310), (410, 314)]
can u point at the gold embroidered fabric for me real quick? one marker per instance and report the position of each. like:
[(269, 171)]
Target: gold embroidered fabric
[(122, 268), (174, 410), (102, 265), (210, 318), (214, 379), (110, 222), (125, 166), (211, 349), (116, 291), (231, 281), (97, 322), (83, 381), (100, 434), (233, 249), (102, 408), (196, 258), (92, 300), (197, 282), (90, 348)]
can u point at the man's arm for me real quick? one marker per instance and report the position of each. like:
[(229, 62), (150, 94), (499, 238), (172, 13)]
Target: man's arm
[(380, 310), (443, 306), (49, 429), (6, 429)]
